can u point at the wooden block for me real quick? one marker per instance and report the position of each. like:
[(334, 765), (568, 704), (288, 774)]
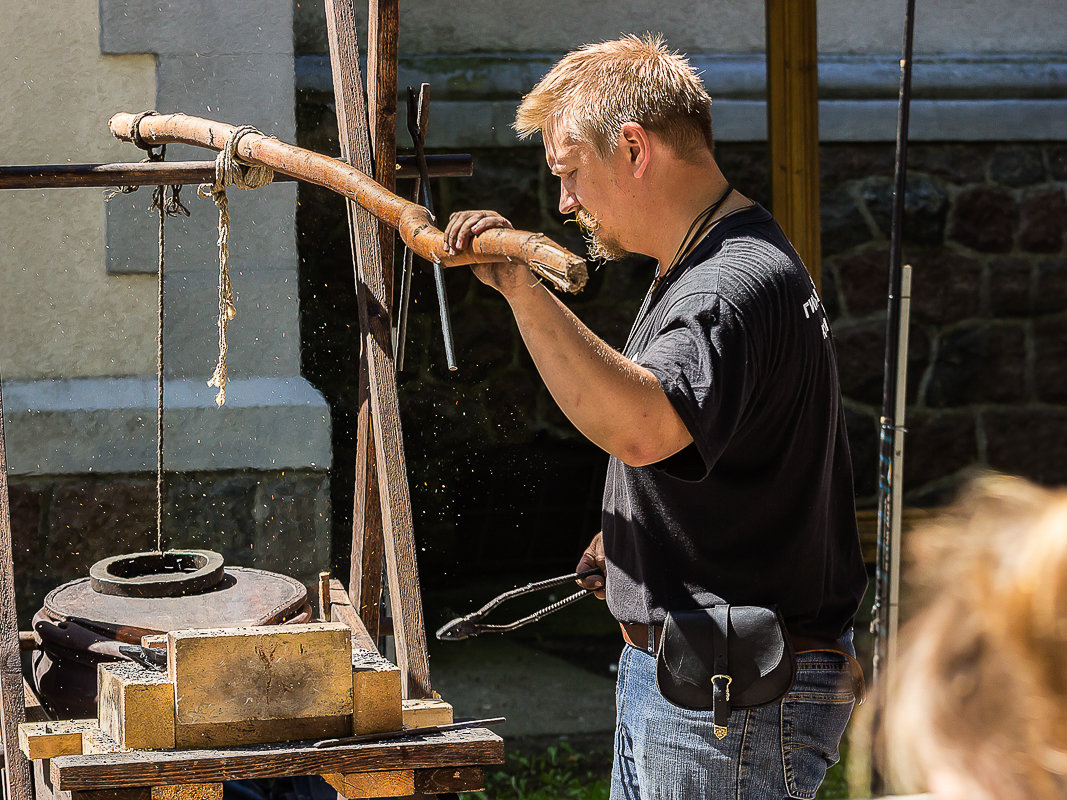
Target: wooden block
[(50, 739), (423, 713), (96, 742), (140, 793), (157, 640), (444, 780), (385, 783), (376, 694), (188, 791), (236, 686), (135, 706)]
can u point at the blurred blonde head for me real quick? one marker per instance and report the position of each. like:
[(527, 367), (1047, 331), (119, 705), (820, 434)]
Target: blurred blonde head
[(594, 91), (978, 705)]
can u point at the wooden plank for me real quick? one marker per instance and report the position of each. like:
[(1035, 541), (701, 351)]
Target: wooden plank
[(424, 712), (135, 706), (470, 747), (399, 541), (384, 783), (793, 125), (34, 710), (342, 611), (368, 553), (383, 29), (449, 779), (260, 684), (50, 739), (17, 782)]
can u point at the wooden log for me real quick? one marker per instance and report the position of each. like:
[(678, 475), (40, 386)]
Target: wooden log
[(170, 173), (51, 739), (470, 747), (398, 536), (17, 782), (384, 783), (135, 706), (554, 263), (423, 713), (449, 779), (260, 684)]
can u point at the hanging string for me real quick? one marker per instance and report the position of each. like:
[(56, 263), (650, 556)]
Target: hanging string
[(166, 208), (229, 171)]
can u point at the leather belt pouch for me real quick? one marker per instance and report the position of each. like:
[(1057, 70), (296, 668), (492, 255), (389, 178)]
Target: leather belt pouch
[(724, 657)]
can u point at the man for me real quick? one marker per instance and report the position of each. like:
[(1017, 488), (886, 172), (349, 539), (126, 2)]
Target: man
[(729, 478)]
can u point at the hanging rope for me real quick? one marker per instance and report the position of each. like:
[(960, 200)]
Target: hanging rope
[(229, 172)]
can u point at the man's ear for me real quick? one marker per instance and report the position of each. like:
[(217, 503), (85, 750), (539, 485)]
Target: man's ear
[(637, 146)]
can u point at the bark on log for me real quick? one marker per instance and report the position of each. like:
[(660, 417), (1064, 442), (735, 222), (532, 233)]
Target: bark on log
[(554, 263)]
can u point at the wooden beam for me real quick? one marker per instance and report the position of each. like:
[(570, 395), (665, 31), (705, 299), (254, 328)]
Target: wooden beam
[(382, 63), (135, 706), (51, 739), (398, 534), (17, 781), (449, 779), (383, 783), (426, 712), (793, 125), (271, 683), (469, 747)]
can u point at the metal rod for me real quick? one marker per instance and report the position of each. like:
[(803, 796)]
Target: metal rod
[(889, 484), (427, 203), (66, 176)]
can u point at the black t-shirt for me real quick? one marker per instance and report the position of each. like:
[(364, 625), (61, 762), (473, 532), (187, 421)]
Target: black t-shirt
[(759, 509)]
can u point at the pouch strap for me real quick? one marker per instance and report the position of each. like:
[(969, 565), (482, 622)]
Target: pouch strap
[(720, 677)]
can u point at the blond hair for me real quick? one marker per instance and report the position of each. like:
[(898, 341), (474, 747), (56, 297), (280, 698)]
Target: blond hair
[(981, 685), (594, 91)]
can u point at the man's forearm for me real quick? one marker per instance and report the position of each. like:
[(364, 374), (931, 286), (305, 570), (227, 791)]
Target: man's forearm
[(615, 403)]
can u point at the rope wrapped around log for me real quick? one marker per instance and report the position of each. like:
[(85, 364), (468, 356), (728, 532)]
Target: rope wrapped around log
[(559, 266)]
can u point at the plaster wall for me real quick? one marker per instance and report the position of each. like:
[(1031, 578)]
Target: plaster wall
[(61, 314), (698, 26)]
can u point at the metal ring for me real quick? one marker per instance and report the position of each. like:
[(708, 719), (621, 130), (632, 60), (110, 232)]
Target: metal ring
[(154, 574)]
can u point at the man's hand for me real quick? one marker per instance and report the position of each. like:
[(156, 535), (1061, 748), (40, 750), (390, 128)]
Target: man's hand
[(593, 558), (504, 276)]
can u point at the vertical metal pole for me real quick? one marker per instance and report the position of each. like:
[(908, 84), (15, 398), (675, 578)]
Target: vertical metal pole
[(889, 484)]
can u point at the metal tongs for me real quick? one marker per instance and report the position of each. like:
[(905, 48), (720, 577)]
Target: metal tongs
[(471, 625)]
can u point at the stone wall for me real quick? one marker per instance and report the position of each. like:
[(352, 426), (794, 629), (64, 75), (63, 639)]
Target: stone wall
[(499, 478), (275, 521)]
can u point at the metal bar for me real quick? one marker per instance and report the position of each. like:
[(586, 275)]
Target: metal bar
[(67, 176), (427, 203), (889, 484)]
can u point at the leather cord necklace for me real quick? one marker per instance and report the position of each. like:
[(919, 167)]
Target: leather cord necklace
[(697, 231)]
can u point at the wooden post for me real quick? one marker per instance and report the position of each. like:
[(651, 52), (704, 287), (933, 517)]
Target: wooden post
[(793, 124), (382, 65), (388, 453), (17, 780)]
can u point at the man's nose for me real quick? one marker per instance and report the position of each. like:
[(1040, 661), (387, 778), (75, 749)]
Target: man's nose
[(568, 203)]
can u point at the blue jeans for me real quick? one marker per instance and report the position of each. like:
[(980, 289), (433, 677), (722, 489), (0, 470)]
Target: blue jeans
[(781, 750)]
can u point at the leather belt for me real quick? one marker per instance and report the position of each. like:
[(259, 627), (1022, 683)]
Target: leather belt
[(636, 634)]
